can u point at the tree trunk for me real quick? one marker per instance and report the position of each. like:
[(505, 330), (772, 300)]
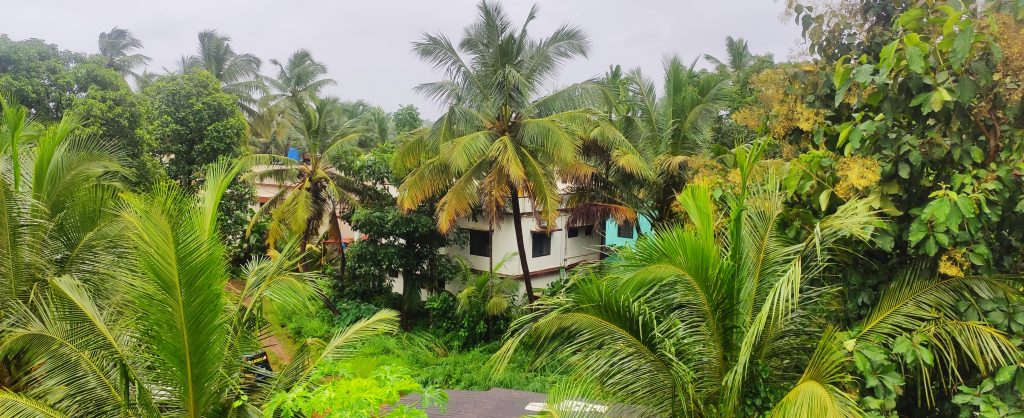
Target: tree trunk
[(517, 223)]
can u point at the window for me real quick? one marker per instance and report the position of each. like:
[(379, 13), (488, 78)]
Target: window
[(574, 231), (541, 244), (479, 243), (626, 229)]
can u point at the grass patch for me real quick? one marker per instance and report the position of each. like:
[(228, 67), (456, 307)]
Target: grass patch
[(433, 365)]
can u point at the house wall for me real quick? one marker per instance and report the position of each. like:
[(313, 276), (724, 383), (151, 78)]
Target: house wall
[(612, 238), (565, 251)]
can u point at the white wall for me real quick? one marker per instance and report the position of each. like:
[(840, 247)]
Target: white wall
[(564, 251)]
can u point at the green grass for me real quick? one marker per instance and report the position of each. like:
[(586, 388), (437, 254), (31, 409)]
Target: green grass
[(431, 364)]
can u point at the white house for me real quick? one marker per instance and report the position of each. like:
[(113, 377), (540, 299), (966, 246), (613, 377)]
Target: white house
[(550, 253)]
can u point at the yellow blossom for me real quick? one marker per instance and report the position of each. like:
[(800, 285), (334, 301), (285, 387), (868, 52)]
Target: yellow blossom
[(953, 263), (856, 175), (785, 111)]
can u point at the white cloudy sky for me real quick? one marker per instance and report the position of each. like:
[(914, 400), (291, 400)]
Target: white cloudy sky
[(366, 43)]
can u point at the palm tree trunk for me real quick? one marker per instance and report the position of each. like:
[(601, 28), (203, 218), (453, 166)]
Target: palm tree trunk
[(517, 223)]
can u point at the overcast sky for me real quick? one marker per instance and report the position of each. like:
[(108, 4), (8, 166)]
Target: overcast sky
[(366, 44)]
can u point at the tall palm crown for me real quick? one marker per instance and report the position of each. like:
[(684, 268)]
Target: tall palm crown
[(117, 46), (686, 322), (316, 185), (666, 130), (738, 56), (500, 138), (300, 79), (239, 74)]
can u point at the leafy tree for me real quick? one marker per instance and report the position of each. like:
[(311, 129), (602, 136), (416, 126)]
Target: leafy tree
[(47, 80), (407, 119), (406, 243), (117, 117), (117, 47), (727, 315), (937, 109), (239, 74), (192, 123), (499, 140)]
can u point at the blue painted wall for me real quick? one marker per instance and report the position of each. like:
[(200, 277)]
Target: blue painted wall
[(611, 232)]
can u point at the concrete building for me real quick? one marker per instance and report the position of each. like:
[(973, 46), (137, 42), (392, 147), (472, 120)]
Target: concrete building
[(550, 254)]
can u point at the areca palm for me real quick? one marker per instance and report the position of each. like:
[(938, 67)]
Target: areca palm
[(500, 139), (117, 47), (684, 324), (667, 131), (239, 74)]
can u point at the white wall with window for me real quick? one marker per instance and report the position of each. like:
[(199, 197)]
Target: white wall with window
[(548, 252)]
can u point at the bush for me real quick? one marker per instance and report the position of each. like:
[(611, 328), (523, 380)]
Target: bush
[(455, 329), (431, 363), (319, 323)]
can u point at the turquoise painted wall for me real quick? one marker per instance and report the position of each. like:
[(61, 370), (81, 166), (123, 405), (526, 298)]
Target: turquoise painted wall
[(611, 235)]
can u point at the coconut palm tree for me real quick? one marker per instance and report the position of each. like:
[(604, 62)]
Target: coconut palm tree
[(169, 342), (738, 56), (239, 74), (317, 187), (694, 317), (269, 130), (500, 140), (667, 131), (300, 79), (117, 47)]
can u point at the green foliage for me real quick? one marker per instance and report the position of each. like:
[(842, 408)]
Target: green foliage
[(342, 395), (118, 117), (431, 363), (407, 119), (937, 109), (191, 124), (38, 75), (303, 324), (487, 150)]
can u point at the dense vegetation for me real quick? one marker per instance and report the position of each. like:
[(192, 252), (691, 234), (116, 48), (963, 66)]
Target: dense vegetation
[(834, 236)]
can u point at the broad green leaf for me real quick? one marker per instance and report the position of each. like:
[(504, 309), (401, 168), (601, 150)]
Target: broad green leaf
[(886, 57), (1005, 374), (904, 170), (841, 74), (961, 47), (862, 74), (977, 154)]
